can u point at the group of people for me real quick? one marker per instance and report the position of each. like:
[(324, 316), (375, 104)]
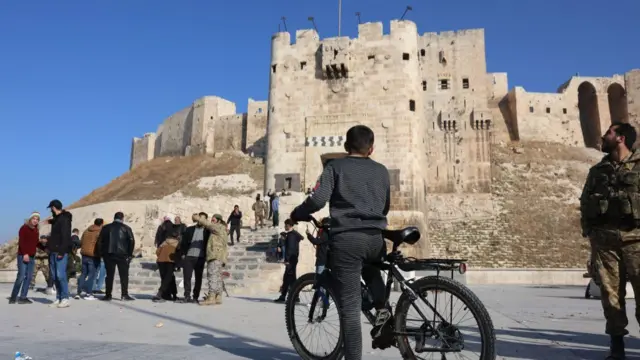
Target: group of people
[(102, 247), (194, 248)]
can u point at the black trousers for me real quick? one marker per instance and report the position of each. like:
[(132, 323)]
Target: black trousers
[(235, 228), (350, 253), (289, 276), (110, 264), (168, 288), (190, 265)]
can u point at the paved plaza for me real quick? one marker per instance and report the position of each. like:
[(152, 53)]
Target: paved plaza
[(532, 322)]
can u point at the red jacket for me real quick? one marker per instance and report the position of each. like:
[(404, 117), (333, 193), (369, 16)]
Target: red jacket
[(28, 239)]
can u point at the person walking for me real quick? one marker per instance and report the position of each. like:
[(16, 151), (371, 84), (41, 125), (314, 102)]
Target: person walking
[(235, 223), (275, 207), (610, 219), (116, 248), (90, 260), (28, 238), (60, 247), (292, 244), (258, 211)]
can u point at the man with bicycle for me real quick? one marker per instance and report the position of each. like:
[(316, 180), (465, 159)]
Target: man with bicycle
[(358, 191)]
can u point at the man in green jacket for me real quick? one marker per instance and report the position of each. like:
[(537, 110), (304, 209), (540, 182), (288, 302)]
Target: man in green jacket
[(216, 256)]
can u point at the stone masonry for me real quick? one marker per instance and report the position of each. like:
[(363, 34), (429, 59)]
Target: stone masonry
[(433, 106), (207, 126)]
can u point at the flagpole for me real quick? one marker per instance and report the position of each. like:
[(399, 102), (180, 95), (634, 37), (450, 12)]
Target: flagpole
[(339, 16)]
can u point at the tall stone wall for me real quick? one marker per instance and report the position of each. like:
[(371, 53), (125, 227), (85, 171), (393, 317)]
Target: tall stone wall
[(209, 124), (632, 84), (142, 149), (255, 143), (228, 133), (174, 135), (577, 115)]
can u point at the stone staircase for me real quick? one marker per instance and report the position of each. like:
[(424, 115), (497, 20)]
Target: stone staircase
[(251, 270)]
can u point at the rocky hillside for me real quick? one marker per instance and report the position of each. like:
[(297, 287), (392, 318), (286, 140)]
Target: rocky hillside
[(535, 199), (163, 176)]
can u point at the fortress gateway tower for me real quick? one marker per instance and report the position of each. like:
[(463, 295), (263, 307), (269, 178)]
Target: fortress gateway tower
[(428, 99)]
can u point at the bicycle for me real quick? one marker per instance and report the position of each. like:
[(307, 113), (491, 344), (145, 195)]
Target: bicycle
[(437, 329)]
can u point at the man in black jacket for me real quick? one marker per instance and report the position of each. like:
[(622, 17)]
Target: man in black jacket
[(235, 222), (292, 250), (116, 247), (59, 245), (193, 248)]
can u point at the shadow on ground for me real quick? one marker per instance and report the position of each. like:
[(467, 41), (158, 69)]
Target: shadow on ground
[(231, 343), (262, 300), (510, 343)]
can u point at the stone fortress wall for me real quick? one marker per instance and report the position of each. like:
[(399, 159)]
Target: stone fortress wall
[(210, 124), (433, 106)]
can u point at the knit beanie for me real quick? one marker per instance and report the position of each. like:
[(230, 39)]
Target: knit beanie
[(34, 214)]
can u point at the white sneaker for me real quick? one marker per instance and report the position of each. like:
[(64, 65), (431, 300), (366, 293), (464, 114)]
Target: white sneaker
[(77, 297), (55, 304), (49, 291), (89, 297), (63, 304)]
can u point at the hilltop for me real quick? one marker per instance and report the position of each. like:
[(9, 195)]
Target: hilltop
[(160, 177)]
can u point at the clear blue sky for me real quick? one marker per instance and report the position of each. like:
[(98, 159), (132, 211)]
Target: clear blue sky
[(79, 79)]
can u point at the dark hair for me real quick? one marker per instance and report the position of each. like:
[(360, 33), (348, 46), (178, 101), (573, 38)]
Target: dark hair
[(288, 222), (258, 197), (75, 230), (627, 130), (98, 222), (359, 140), (174, 231), (236, 206), (118, 216), (206, 216)]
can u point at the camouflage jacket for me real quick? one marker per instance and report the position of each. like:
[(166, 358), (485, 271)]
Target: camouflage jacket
[(217, 243), (259, 207), (610, 199)]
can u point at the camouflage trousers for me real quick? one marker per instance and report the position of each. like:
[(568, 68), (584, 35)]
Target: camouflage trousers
[(41, 265), (214, 277), (616, 262)]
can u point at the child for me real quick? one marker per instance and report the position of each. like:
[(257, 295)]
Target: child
[(321, 243), (167, 257), (358, 191)]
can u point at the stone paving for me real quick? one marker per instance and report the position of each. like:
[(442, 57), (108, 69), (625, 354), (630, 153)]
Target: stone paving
[(531, 323)]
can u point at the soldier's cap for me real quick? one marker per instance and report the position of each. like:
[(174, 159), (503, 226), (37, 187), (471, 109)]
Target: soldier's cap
[(218, 216)]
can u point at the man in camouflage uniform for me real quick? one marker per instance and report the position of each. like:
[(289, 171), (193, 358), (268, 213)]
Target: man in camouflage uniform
[(42, 264), (216, 256), (610, 218)]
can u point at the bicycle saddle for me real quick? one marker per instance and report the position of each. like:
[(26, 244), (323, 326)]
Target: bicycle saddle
[(409, 235)]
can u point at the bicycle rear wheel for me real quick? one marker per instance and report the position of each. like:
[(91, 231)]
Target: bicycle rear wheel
[(315, 310), (445, 330)]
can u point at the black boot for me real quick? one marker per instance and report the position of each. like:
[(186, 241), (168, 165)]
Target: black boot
[(616, 348)]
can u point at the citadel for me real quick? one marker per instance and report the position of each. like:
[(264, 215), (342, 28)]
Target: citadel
[(434, 109)]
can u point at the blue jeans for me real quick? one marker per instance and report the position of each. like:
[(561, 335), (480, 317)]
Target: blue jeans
[(101, 274), (59, 273), (87, 278), (25, 272)]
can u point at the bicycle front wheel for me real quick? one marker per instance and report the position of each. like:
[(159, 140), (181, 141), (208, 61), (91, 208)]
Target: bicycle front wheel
[(440, 328), (313, 320)]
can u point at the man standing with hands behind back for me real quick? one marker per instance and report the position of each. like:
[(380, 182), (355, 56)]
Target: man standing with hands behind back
[(610, 218), (116, 247), (59, 245)]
